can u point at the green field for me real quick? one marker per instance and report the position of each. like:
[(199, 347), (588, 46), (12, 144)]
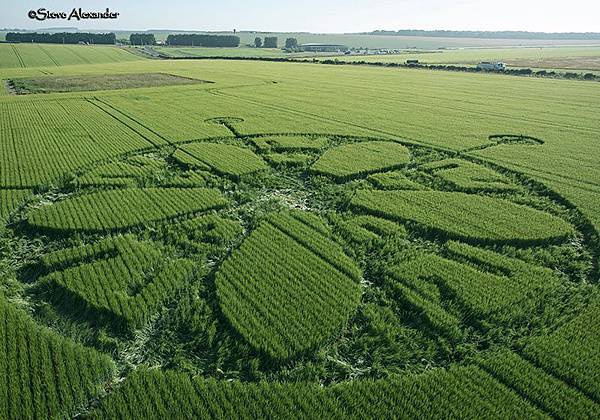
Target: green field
[(219, 52), (297, 240), (386, 41), (377, 41), (549, 57), (50, 55)]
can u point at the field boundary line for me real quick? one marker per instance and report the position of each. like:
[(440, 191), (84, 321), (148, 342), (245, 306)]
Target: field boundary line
[(454, 68)]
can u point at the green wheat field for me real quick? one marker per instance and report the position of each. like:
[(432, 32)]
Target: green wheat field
[(246, 239)]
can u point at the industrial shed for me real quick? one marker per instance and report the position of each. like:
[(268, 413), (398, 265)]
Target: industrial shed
[(317, 47)]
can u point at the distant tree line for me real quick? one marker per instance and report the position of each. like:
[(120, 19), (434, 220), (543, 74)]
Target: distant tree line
[(490, 34), (201, 40), (269, 42), (61, 37), (291, 43), (142, 39)]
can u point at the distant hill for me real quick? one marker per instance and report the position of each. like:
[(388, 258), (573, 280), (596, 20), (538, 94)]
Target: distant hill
[(489, 34)]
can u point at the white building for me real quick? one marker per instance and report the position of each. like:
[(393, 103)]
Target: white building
[(491, 66)]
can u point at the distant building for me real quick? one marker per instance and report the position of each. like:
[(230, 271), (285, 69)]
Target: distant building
[(491, 66), (316, 47)]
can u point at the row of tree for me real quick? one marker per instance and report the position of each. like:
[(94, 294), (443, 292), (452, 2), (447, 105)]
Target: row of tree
[(61, 37), (271, 42), (195, 40), (200, 40), (142, 39)]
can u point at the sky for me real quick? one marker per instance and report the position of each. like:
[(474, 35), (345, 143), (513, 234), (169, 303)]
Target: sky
[(320, 16)]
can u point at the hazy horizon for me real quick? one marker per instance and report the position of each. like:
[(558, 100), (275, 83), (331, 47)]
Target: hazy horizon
[(333, 16)]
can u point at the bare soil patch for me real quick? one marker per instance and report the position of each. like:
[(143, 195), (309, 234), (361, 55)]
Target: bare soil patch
[(53, 84)]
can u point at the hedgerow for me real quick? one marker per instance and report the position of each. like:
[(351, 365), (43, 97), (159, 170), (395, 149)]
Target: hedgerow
[(61, 37), (203, 40)]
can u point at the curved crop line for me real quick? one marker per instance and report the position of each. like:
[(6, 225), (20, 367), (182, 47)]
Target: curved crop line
[(497, 139), (317, 117), (228, 122), (590, 234), (515, 138), (584, 225), (222, 120)]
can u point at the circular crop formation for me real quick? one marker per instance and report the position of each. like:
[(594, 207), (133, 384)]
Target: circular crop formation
[(298, 260)]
